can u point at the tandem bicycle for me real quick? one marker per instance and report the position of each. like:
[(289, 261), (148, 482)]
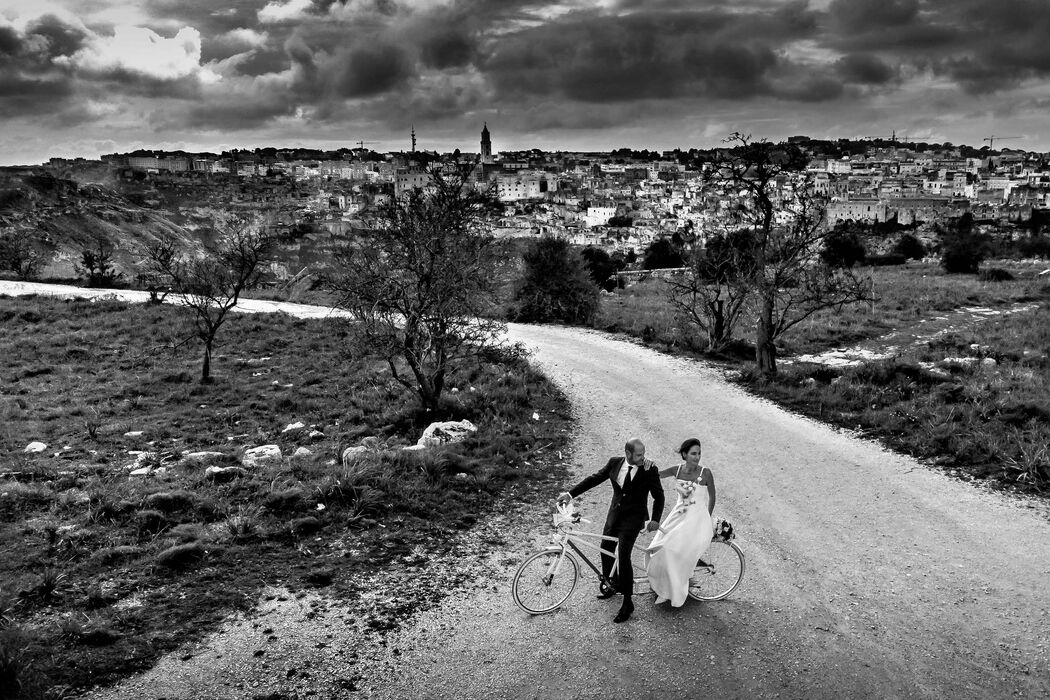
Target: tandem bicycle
[(546, 579)]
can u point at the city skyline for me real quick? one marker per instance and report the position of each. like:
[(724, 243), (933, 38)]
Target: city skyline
[(84, 78)]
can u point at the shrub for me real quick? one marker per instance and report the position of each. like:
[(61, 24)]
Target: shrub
[(662, 253), (962, 253), (842, 248), (284, 501), (556, 286), (171, 501), (600, 264), (995, 274), (181, 556), (150, 522), (909, 247), (97, 266), (243, 523), (304, 526), (114, 555)]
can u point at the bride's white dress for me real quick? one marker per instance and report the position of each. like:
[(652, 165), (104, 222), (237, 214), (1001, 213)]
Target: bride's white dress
[(686, 535)]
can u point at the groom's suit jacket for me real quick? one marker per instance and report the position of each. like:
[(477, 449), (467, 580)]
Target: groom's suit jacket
[(629, 507)]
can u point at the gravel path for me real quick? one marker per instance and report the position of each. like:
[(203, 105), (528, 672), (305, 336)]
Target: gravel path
[(869, 575)]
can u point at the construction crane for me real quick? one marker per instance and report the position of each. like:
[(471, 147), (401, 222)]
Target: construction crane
[(993, 138), (361, 144)]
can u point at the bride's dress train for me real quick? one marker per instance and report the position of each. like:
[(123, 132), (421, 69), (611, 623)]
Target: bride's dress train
[(686, 534)]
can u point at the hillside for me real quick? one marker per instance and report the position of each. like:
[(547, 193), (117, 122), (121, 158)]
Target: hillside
[(71, 216)]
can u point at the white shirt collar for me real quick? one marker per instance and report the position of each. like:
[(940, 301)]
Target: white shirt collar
[(624, 470)]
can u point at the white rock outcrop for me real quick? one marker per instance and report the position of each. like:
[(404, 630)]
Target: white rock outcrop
[(205, 456), (261, 456), (224, 473), (444, 433)]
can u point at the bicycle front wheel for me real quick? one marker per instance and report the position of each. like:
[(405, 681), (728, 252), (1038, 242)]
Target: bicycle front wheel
[(544, 581), (718, 572)]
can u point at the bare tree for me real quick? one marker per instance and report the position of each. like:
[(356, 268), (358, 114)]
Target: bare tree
[(419, 284), (159, 256), (19, 253), (774, 201), (212, 283), (714, 291)]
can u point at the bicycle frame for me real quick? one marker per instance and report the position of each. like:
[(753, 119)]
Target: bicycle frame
[(573, 538)]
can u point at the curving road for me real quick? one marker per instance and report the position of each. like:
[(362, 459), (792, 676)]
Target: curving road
[(869, 575)]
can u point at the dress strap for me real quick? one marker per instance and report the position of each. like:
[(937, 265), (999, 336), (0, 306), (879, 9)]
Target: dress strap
[(677, 471)]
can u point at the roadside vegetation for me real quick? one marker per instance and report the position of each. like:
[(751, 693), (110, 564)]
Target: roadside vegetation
[(974, 399), (119, 544)]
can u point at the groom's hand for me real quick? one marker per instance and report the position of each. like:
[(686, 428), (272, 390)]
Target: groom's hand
[(652, 526), (564, 498)]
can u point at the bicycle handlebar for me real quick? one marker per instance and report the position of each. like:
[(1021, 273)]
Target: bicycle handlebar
[(570, 514)]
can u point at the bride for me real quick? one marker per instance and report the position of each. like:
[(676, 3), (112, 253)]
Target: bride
[(686, 533)]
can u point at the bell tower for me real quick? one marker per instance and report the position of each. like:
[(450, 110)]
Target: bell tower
[(486, 144)]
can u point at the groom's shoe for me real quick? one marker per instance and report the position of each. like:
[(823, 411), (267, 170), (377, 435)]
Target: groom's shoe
[(625, 611), (606, 590)]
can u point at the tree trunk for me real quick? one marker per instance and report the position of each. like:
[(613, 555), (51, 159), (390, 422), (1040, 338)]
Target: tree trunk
[(765, 350), (206, 369), (717, 328)]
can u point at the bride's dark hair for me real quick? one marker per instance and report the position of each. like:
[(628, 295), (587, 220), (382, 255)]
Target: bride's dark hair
[(688, 445)]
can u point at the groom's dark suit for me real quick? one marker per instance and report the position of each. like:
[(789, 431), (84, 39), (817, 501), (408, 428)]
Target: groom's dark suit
[(628, 513)]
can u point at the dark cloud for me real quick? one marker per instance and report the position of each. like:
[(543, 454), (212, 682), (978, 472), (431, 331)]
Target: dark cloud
[(604, 58), (399, 60), (809, 89), (229, 113), (10, 42), (982, 46), (731, 70), (22, 96), (371, 70), (62, 39), (865, 69), (859, 16), (453, 49), (29, 83)]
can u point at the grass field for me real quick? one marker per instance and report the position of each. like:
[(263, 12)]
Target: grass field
[(101, 572), (976, 400), (904, 295)]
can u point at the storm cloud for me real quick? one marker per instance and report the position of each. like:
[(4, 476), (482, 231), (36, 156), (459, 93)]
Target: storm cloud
[(544, 65)]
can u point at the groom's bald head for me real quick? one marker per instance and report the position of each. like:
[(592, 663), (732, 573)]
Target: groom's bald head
[(634, 449)]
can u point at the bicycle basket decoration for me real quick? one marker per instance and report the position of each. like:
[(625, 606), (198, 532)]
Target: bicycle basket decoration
[(724, 530)]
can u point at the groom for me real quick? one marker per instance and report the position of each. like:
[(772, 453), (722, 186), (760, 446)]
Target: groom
[(633, 478)]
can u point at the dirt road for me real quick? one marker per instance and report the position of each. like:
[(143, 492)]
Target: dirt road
[(869, 575)]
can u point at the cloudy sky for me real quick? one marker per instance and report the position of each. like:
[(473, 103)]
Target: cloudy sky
[(84, 77)]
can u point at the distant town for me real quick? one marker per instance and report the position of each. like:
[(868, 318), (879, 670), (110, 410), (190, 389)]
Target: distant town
[(619, 200)]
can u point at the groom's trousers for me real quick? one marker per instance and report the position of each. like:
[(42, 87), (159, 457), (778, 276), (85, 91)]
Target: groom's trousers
[(626, 534)]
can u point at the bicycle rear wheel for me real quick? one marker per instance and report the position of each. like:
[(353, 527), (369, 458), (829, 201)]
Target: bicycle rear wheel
[(544, 581), (718, 572)]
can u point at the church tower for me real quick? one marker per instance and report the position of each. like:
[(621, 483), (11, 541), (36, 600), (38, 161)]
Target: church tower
[(486, 145)]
